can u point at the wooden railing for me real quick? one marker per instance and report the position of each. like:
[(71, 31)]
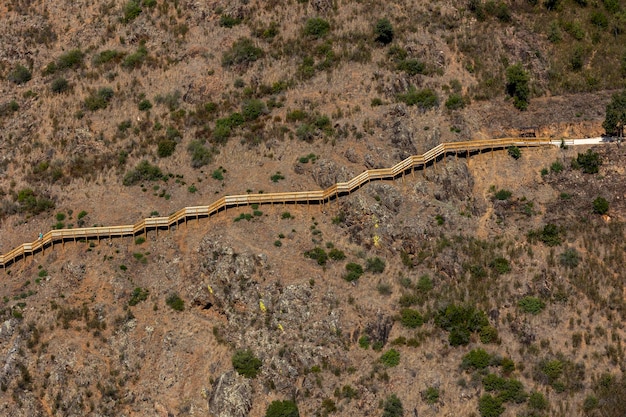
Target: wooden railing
[(410, 164)]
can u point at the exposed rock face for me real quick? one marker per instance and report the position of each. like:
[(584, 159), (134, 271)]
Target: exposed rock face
[(326, 173), (231, 396), (402, 140), (379, 329), (453, 182)]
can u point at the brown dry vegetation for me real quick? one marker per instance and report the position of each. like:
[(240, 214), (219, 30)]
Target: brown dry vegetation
[(74, 346)]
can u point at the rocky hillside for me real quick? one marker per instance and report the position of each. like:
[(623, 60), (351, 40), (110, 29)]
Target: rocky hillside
[(486, 286), (489, 286)]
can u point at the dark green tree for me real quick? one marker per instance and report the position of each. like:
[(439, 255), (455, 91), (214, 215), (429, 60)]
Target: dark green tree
[(517, 86), (615, 115), (246, 364), (600, 205), (383, 31), (393, 407), (285, 408)]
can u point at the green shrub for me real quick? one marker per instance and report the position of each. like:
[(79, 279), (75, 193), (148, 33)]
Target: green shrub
[(411, 318), (364, 342), (136, 59), (531, 305), (615, 117), (425, 98), (140, 240), (175, 302), (131, 11), (392, 407), (285, 408), (455, 102), (252, 109), (591, 403), (144, 171), (277, 177), (99, 99), (460, 321), (246, 364), (556, 167), (336, 254), (200, 155), (551, 370), (166, 147), (106, 56), (144, 105), (570, 258), (383, 31), (139, 294), (390, 358), (514, 152), (550, 235), (72, 59), (500, 266), (243, 52), (354, 272), (600, 205), (218, 174), (489, 406), (411, 66), (229, 21), (503, 195), (517, 86), (31, 203), (375, 265), (589, 162), (59, 85), (316, 27), (431, 395), (537, 401), (488, 334), (476, 359), (317, 254), (20, 75), (424, 284)]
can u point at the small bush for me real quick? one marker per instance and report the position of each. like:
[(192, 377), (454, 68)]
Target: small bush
[(59, 85), (317, 254), (425, 98), (144, 105), (136, 59), (200, 155), (285, 408), (139, 294), (488, 334), (517, 86), (99, 99), (600, 205), (537, 401), (243, 52), (132, 9), (106, 56), (390, 358), (514, 152), (589, 162), (550, 235), (383, 31), (253, 109), (277, 177), (411, 318), (503, 195), (143, 172), (570, 258), (490, 406), (531, 305), (354, 272), (246, 364), (455, 102), (392, 407), (364, 342), (336, 254), (316, 27), (165, 148), (140, 240), (431, 395), (460, 321), (175, 302), (229, 21), (556, 167), (375, 265), (72, 59), (476, 359), (500, 265), (20, 75)]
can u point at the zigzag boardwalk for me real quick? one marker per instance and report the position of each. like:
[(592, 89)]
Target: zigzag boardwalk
[(409, 165)]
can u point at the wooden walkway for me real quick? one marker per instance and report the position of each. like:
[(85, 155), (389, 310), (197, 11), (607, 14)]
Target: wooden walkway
[(321, 197)]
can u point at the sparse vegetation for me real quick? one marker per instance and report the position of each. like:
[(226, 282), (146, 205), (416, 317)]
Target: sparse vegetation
[(246, 364)]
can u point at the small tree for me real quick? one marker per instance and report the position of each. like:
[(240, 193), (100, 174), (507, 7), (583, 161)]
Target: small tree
[(600, 205), (285, 408), (383, 31), (589, 162), (393, 407), (246, 364), (20, 75), (514, 152), (517, 86), (615, 118)]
